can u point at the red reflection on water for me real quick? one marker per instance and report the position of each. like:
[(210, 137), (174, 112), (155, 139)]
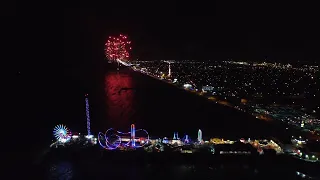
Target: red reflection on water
[(119, 96)]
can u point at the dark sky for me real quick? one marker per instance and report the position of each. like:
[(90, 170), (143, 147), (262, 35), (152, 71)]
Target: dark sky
[(281, 32), (73, 35)]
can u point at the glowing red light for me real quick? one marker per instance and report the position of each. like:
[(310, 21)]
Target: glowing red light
[(117, 48)]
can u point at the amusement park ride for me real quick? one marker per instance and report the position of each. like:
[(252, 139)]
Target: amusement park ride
[(113, 139)]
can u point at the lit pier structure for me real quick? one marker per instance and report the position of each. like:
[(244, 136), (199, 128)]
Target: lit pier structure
[(62, 133), (176, 140), (64, 137), (133, 135), (88, 117), (113, 139), (169, 68), (200, 140), (175, 136), (186, 139)]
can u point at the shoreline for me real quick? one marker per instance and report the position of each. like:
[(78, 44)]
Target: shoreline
[(272, 123)]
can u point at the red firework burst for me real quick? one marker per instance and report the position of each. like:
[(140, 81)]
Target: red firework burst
[(117, 48)]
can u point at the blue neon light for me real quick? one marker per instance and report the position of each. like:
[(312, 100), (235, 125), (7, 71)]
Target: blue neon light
[(62, 133), (104, 139), (88, 116)]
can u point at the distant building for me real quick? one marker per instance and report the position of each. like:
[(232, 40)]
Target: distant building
[(176, 142), (207, 88), (220, 141), (187, 86), (200, 136)]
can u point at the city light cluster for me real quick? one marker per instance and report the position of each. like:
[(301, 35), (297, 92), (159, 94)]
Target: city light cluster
[(266, 90), (241, 79)]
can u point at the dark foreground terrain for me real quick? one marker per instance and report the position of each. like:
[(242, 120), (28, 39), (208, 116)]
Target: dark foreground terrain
[(100, 164)]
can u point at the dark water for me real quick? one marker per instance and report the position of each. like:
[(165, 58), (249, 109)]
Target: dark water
[(162, 109), (113, 165), (66, 170)]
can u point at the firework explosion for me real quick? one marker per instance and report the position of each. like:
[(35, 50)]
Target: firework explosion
[(117, 48)]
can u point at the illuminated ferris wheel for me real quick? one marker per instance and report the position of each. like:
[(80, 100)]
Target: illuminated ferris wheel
[(62, 133)]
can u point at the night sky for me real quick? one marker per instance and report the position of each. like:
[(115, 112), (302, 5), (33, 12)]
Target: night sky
[(278, 32), (73, 35)]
